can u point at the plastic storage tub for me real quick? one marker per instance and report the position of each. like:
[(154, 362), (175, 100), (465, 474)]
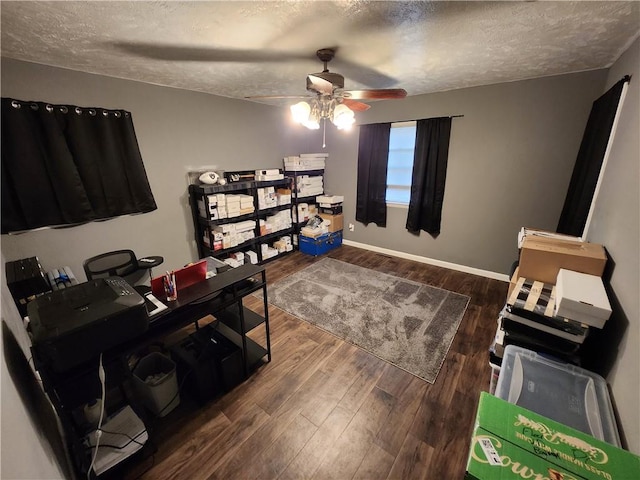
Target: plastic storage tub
[(565, 393), (155, 382)]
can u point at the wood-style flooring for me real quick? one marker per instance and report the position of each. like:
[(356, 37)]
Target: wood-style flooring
[(325, 409)]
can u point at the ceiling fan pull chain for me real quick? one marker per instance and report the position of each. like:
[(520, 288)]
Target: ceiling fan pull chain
[(324, 132)]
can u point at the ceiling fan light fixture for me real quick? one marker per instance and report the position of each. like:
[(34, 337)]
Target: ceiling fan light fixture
[(343, 117), (310, 114), (300, 112)]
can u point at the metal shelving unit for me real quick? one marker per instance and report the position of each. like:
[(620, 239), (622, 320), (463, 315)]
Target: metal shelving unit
[(203, 226)]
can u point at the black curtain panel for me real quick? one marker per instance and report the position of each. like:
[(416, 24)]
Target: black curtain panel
[(373, 156), (66, 165), (589, 162), (429, 175)]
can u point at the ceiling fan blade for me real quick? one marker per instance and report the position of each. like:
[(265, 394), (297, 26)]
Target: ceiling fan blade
[(380, 94), (277, 96), (355, 105), (319, 85), (168, 52)]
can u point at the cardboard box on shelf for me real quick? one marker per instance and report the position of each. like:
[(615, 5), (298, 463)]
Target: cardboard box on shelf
[(541, 258), (512, 443), (337, 221)]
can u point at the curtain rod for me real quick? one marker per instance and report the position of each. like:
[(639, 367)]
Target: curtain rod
[(416, 119)]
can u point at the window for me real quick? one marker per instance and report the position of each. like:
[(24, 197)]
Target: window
[(400, 164)]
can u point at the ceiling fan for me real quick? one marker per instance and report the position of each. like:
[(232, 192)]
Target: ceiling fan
[(331, 100)]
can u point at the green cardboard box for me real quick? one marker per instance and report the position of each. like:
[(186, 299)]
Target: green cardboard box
[(510, 442)]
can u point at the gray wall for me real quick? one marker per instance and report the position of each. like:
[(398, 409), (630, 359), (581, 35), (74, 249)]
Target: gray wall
[(616, 224), (175, 129), (510, 161)]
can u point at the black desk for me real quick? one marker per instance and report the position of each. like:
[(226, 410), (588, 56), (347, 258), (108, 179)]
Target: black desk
[(214, 295), (70, 390)]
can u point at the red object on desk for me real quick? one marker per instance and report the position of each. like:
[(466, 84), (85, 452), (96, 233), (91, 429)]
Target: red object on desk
[(185, 277)]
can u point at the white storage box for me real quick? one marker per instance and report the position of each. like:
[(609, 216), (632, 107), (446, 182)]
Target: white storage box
[(155, 382), (582, 297), (332, 200)]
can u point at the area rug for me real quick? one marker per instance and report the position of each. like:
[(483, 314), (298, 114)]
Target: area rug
[(406, 323)]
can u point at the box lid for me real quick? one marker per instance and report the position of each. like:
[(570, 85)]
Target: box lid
[(563, 392), (581, 293), (565, 247), (510, 442)]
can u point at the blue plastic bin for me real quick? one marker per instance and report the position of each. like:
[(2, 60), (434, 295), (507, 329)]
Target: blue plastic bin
[(320, 245)]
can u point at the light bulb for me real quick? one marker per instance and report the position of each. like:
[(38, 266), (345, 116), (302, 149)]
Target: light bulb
[(343, 117), (300, 112)]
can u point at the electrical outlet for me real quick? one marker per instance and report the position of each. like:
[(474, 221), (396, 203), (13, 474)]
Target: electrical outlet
[(352, 227)]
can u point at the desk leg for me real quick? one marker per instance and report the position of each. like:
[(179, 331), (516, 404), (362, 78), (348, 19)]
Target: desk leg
[(266, 314), (243, 333)]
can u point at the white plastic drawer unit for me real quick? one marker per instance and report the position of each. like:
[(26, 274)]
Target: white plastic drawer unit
[(568, 394)]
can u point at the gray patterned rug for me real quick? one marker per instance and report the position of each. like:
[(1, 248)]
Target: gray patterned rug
[(406, 323)]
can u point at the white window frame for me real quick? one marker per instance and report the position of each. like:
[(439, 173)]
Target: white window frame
[(399, 204)]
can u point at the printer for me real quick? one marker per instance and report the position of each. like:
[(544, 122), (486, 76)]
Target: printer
[(76, 324)]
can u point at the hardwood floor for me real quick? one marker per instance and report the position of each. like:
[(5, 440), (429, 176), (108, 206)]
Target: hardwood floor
[(325, 409)]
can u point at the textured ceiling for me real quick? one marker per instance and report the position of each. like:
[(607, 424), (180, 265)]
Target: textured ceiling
[(238, 49)]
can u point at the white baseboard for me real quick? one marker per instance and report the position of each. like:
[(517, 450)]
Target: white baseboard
[(430, 261)]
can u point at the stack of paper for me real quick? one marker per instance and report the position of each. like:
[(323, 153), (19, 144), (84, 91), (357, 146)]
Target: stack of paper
[(126, 432)]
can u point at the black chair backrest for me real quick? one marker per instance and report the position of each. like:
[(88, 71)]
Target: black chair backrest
[(117, 263)]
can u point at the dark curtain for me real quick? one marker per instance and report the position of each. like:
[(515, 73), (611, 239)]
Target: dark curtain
[(589, 162), (66, 165), (373, 156), (429, 175)]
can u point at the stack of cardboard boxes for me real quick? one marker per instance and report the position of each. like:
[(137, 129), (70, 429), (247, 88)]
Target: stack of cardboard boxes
[(330, 210), (555, 296), (319, 239)]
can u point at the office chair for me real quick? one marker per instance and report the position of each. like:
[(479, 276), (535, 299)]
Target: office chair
[(121, 263)]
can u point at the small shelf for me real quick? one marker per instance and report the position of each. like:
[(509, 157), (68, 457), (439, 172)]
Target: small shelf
[(270, 210), (224, 221), (273, 183), (280, 255), (255, 353), (215, 253), (230, 316), (272, 235), (308, 199), (212, 189)]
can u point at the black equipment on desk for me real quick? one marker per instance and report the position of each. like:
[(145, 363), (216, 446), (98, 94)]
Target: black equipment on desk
[(76, 324)]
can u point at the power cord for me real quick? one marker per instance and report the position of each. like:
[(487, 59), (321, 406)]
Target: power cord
[(131, 440), (102, 377)]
